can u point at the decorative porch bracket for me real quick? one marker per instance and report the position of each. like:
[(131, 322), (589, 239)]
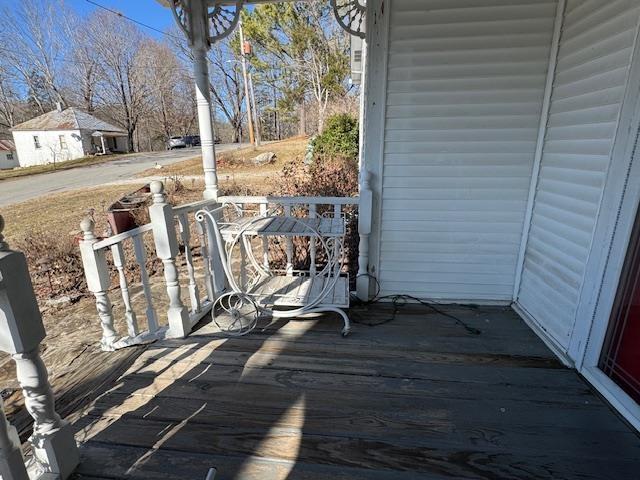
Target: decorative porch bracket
[(351, 15), (21, 331)]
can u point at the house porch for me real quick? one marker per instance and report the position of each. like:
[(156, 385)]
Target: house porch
[(419, 396)]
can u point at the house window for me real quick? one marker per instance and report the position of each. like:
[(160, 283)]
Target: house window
[(63, 142), (36, 141), (9, 156)]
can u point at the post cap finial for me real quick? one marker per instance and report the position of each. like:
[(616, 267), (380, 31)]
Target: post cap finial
[(157, 189), (87, 225)]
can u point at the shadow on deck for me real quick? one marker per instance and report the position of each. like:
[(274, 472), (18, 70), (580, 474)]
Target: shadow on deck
[(415, 398)]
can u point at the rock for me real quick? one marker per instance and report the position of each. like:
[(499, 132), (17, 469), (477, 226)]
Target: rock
[(264, 158), (59, 301)]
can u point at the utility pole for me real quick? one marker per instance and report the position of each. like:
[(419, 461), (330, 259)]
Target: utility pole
[(246, 85), (256, 117)]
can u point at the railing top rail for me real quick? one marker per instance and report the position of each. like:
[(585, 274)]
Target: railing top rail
[(107, 242), (291, 200), (193, 206)]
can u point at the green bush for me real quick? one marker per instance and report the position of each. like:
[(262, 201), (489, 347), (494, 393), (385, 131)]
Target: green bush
[(339, 139)]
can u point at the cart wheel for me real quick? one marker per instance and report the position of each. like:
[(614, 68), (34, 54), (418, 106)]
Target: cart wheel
[(237, 314)]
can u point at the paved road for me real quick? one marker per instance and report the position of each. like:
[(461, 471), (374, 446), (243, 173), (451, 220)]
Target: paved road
[(26, 188)]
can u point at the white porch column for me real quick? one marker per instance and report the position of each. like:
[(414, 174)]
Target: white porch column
[(199, 40), (21, 332), (203, 98)]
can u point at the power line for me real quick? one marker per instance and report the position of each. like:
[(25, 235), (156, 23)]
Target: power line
[(119, 14)]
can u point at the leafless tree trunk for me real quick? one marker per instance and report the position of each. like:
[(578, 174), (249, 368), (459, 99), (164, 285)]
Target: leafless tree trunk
[(8, 99), (34, 43), (123, 90)]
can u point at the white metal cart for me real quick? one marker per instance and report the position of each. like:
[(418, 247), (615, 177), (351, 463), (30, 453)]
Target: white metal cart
[(257, 287)]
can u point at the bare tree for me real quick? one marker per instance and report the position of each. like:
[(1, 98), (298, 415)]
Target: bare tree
[(8, 100), (227, 89), (34, 42), (123, 91), (172, 107), (82, 67)]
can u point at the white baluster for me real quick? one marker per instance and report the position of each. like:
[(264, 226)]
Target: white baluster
[(365, 212), (337, 216), (243, 257), (313, 209), (141, 260), (289, 243), (206, 260), (166, 241), (98, 282), (119, 261), (21, 332), (337, 210), (185, 234), (265, 241)]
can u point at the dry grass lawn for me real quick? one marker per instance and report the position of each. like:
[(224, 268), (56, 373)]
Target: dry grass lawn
[(59, 213), (239, 162)]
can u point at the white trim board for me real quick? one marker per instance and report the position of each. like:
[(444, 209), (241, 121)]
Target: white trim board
[(542, 132), (613, 394), (613, 230), (375, 84)]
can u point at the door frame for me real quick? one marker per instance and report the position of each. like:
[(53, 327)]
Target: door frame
[(619, 206)]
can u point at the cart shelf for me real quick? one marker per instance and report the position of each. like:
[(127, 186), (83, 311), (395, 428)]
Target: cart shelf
[(298, 291)]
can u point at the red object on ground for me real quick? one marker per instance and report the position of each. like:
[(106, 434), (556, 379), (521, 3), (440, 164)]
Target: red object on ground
[(120, 214)]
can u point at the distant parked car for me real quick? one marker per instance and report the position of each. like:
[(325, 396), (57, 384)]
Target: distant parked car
[(176, 142), (192, 140)]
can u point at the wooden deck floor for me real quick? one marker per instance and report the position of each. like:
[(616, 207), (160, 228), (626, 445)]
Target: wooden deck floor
[(416, 398)]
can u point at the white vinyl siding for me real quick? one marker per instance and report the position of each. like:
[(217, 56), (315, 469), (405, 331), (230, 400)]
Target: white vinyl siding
[(465, 88), (592, 71)]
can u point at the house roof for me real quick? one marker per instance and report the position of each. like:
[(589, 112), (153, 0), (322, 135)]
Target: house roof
[(7, 146), (67, 119)]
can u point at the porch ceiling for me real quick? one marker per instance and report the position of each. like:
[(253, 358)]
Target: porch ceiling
[(418, 397)]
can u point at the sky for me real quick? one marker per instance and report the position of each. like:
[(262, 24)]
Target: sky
[(149, 12)]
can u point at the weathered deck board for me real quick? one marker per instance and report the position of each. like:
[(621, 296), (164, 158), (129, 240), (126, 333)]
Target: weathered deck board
[(417, 398)]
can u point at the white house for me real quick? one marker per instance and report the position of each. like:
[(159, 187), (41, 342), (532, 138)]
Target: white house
[(8, 156), (66, 134)]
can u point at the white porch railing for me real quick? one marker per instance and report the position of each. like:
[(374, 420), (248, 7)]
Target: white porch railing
[(94, 258), (190, 259), (21, 331)]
